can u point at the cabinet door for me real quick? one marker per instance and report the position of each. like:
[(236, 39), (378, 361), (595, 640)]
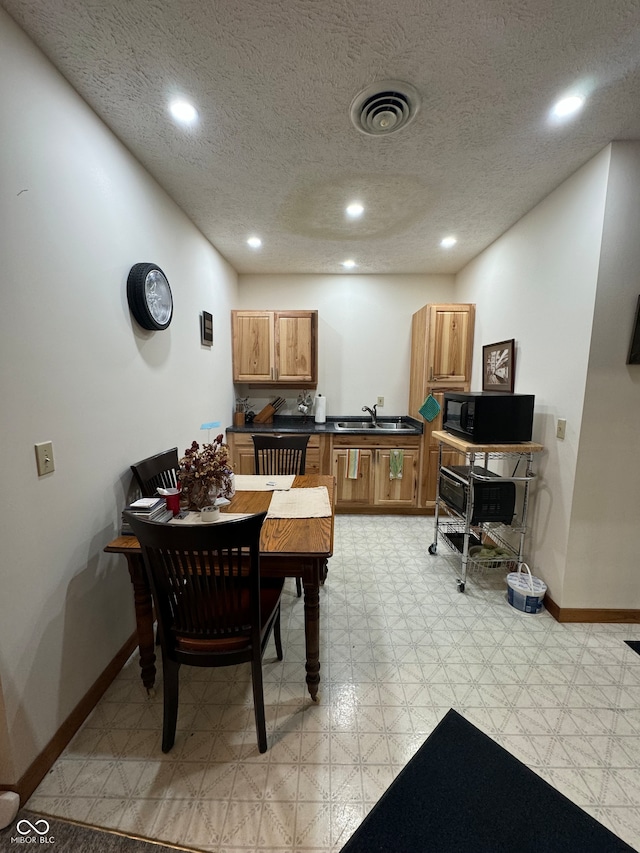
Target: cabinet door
[(295, 346), (356, 492), (242, 458), (450, 345), (253, 346), (396, 492), (312, 462)]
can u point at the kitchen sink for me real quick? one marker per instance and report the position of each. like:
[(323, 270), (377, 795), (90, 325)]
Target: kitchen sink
[(355, 425), (382, 426)]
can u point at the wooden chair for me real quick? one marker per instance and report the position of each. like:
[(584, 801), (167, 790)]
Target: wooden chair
[(211, 606), (159, 470), (280, 454)]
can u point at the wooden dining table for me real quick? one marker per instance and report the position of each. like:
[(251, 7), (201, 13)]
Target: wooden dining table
[(289, 547)]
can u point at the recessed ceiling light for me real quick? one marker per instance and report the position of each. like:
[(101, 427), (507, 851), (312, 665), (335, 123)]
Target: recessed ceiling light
[(183, 111), (355, 209), (254, 242), (448, 242), (349, 264), (567, 106)]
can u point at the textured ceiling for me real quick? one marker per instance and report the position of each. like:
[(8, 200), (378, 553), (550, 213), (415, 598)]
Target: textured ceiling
[(275, 153)]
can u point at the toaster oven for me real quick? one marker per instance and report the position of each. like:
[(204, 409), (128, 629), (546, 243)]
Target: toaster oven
[(493, 499)]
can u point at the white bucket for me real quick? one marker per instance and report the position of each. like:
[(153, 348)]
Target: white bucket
[(524, 591)]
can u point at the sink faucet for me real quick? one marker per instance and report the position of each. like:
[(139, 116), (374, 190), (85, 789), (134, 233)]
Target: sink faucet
[(373, 412)]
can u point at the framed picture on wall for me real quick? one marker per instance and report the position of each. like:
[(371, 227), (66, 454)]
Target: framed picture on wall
[(498, 366), (206, 328)]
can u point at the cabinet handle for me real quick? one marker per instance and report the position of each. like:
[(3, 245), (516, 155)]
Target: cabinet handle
[(272, 372), (431, 374)]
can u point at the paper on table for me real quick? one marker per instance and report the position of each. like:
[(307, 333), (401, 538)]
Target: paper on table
[(263, 483), (194, 518), (300, 503)]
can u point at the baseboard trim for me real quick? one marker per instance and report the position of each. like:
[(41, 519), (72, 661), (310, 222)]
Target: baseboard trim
[(42, 763), (578, 614)]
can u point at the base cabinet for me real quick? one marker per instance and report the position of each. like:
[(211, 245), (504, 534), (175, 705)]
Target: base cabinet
[(429, 472), (373, 488)]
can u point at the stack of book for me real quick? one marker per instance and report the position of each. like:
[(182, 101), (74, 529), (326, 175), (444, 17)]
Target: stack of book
[(153, 509)]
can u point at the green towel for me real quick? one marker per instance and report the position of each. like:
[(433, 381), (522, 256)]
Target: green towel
[(396, 463), (430, 409), (353, 464)]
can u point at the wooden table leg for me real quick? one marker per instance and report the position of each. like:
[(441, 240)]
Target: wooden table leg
[(144, 619), (324, 571), (312, 628)]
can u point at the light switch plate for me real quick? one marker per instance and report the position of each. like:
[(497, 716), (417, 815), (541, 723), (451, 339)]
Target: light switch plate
[(44, 458), (380, 401), (561, 429)]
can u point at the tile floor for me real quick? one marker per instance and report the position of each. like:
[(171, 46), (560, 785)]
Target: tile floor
[(400, 646)]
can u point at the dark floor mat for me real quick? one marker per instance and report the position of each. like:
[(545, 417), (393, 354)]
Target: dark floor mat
[(463, 793)]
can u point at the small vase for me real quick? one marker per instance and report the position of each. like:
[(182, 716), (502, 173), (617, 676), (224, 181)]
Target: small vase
[(201, 495)]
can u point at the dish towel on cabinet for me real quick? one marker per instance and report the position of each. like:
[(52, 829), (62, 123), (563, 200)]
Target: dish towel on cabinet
[(353, 464), (396, 463)]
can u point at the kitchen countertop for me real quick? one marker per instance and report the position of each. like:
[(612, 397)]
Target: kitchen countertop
[(299, 424)]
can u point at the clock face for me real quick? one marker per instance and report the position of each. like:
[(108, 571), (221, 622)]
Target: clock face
[(149, 296), (157, 294)]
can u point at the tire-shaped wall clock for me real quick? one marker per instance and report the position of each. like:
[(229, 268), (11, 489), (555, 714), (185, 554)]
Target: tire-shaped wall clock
[(149, 296)]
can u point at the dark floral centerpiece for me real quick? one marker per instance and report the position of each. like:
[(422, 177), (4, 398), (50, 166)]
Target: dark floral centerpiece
[(205, 474)]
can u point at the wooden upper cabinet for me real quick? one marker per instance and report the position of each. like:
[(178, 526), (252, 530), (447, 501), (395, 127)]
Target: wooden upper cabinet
[(450, 344), (296, 346), (441, 351), (275, 347), (253, 346)]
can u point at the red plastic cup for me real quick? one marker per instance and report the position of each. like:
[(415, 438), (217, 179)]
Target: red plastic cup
[(173, 502)]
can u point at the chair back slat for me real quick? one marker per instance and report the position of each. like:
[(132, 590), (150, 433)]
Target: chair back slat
[(156, 471), (280, 454)]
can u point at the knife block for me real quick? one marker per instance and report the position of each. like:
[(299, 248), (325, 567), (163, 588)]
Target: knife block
[(265, 416)]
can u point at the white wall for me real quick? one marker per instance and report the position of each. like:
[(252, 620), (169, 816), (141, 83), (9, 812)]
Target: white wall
[(602, 559), (537, 284), (77, 212), (364, 332)]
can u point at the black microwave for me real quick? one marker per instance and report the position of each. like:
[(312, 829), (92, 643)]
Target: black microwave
[(488, 417)]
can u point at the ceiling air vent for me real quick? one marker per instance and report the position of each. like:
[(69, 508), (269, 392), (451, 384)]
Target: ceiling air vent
[(385, 107)]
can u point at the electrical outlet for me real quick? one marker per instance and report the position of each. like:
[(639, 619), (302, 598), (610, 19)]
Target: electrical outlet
[(561, 429), (380, 401), (44, 458)]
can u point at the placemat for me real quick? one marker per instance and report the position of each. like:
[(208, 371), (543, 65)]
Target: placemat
[(300, 503), (263, 483)]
